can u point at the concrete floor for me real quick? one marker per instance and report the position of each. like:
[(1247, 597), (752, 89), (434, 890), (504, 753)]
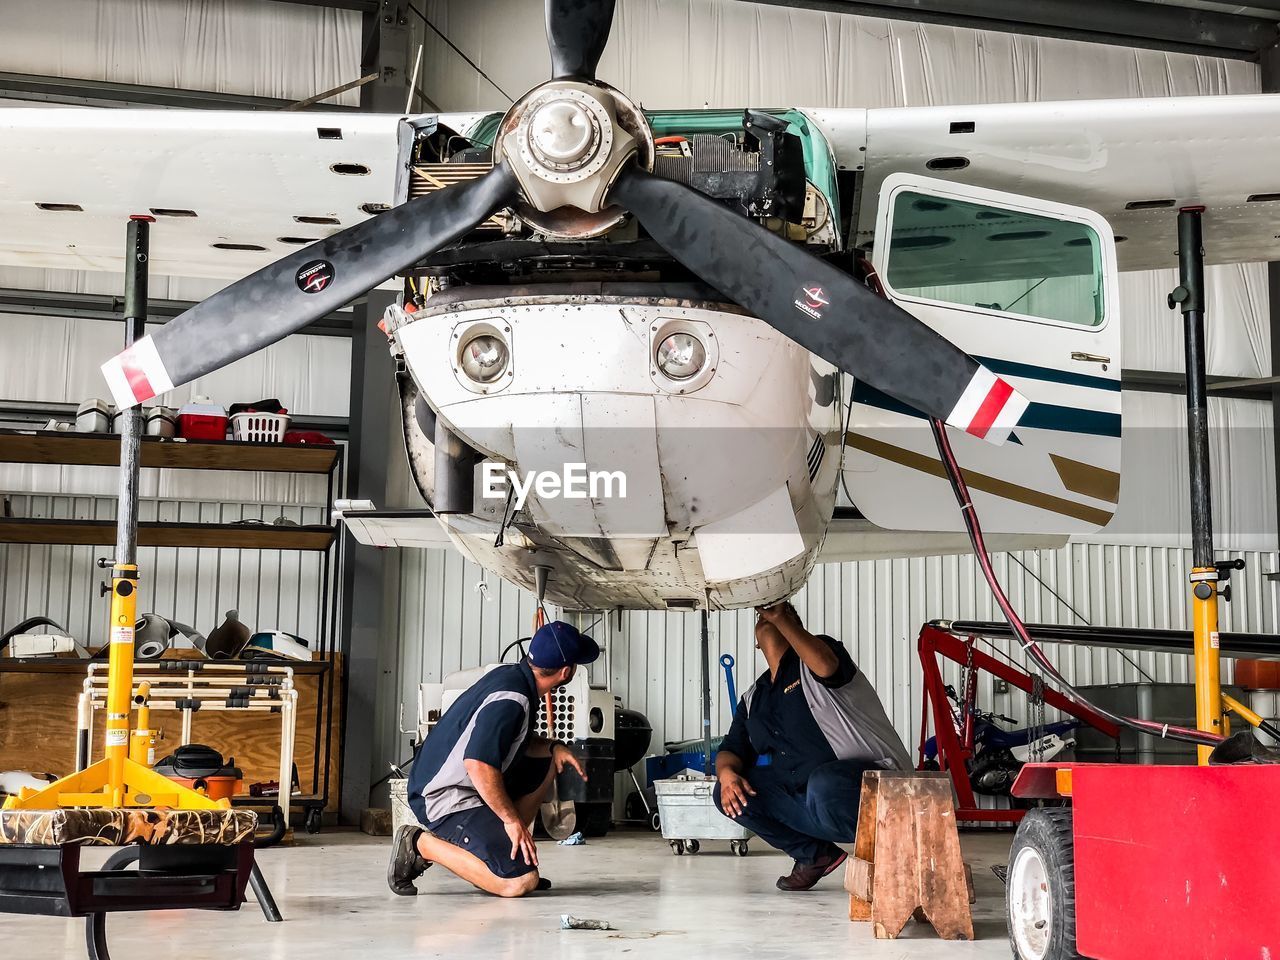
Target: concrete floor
[(332, 892)]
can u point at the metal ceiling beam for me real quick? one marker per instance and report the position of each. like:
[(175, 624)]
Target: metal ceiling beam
[(103, 93), (360, 6), (102, 306), (1130, 23), (1226, 388)]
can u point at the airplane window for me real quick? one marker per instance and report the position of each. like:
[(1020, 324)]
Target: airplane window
[(975, 255)]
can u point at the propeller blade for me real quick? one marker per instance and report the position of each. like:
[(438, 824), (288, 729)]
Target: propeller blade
[(821, 308), (284, 297), (577, 31)]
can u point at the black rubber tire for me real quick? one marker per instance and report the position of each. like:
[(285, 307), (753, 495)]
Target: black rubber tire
[(693, 846), (314, 820), (677, 847), (594, 819), (1047, 832)]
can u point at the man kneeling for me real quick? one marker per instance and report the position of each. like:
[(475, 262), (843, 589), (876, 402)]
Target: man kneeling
[(479, 777), (820, 723)]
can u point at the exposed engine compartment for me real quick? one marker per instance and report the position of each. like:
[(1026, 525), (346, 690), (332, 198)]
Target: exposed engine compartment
[(758, 170)]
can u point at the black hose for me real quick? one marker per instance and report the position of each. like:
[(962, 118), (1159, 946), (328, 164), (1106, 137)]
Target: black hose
[(1269, 728), (277, 832), (1029, 646), (502, 657)]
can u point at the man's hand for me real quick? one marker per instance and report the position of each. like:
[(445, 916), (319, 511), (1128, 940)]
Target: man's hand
[(563, 757), (778, 614), (734, 790), (522, 844)]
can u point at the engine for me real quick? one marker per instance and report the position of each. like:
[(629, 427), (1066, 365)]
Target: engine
[(761, 172), (757, 168)]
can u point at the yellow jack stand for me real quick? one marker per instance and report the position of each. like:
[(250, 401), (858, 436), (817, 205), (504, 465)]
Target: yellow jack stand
[(1206, 573), (118, 780)]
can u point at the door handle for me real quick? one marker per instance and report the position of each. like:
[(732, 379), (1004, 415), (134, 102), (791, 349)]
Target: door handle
[(1089, 357)]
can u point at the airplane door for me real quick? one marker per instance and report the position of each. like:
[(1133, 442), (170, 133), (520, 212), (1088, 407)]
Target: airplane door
[(1028, 288)]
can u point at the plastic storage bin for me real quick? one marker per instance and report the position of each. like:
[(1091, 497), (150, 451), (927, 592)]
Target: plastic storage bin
[(688, 814), (256, 427), (161, 422), (93, 416)]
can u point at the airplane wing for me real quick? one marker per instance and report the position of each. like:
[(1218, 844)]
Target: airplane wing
[(851, 538), (1133, 161), (231, 191), (396, 528)]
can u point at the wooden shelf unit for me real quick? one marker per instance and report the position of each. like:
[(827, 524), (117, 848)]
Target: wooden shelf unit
[(103, 450), (241, 536), (318, 727)]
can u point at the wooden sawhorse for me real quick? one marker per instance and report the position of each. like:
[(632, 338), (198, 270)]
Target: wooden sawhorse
[(906, 860)]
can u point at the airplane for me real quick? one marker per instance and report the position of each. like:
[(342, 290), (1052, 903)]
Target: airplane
[(673, 358)]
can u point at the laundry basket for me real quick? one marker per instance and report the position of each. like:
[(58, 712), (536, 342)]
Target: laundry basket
[(259, 427)]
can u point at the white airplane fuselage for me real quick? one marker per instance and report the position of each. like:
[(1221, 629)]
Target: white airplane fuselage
[(635, 488)]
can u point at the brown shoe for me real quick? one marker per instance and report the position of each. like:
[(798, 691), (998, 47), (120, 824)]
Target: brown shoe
[(805, 875)]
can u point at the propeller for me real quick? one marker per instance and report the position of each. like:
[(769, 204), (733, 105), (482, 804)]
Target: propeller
[(282, 298), (566, 141), (823, 309), (577, 31)]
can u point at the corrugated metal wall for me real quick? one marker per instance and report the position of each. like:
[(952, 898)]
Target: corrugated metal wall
[(270, 588), (446, 623)]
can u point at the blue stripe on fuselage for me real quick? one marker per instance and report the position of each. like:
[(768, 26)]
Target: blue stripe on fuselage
[(1043, 416), (1033, 372)]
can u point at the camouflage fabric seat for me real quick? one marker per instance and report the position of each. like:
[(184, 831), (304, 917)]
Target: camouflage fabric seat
[(114, 827)]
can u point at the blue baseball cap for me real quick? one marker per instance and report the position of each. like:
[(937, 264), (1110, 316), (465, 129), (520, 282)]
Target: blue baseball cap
[(558, 644)]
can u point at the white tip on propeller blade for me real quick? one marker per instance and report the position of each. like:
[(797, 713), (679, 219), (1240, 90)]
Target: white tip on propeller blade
[(136, 375), (989, 408)]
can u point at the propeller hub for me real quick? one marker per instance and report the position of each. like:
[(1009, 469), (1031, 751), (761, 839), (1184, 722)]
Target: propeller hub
[(564, 134), (566, 141)]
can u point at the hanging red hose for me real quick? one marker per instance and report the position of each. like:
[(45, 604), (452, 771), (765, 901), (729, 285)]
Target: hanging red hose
[(1029, 646)]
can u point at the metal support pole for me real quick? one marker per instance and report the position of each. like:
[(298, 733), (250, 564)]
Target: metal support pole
[(365, 637), (1189, 296), (706, 691), (124, 571)]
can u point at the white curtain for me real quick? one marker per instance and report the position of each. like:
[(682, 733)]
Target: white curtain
[(731, 53), (284, 50)]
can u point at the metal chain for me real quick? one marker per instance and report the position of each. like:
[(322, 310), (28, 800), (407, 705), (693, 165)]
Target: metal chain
[(1037, 718), (964, 686)]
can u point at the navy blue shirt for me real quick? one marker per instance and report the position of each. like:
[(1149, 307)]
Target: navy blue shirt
[(801, 720), (491, 722)]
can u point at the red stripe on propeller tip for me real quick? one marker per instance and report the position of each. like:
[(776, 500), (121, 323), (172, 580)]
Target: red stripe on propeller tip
[(990, 408), (138, 382)]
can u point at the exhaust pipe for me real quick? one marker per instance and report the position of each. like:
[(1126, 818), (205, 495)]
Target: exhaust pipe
[(455, 472)]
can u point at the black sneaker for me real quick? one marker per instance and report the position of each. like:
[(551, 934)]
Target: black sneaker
[(406, 864), (805, 875)]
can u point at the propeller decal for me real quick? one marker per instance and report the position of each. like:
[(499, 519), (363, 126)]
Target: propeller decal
[(137, 374), (989, 408)]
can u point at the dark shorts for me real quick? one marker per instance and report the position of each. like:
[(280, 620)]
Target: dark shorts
[(480, 831)]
